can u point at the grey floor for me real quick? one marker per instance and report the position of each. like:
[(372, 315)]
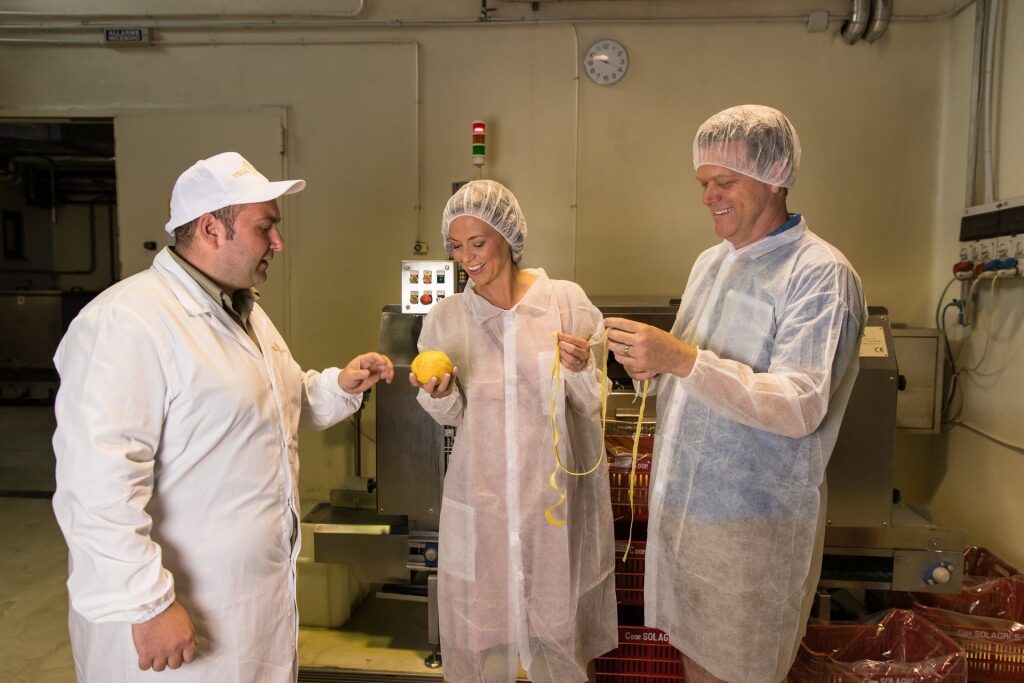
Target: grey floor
[(34, 645), (383, 640)]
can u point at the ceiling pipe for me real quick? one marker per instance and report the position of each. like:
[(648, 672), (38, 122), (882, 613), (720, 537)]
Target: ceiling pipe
[(49, 23), (95, 16), (881, 13), (854, 27)]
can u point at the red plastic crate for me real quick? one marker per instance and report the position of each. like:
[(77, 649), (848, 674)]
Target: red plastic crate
[(979, 561), (902, 647), (994, 647), (629, 573), (987, 620), (620, 461), (644, 655)]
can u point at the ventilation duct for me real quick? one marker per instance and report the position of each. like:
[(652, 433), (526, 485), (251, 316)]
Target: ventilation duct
[(868, 20), (881, 13), (854, 27)]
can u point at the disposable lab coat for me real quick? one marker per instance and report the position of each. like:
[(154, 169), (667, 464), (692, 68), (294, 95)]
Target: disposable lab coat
[(741, 449), (512, 587), (177, 471)]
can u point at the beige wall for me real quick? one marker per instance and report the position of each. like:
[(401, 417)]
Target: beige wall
[(603, 173), (978, 484)]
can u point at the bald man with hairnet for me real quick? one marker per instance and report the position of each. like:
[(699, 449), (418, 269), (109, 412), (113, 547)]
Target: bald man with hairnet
[(752, 384)]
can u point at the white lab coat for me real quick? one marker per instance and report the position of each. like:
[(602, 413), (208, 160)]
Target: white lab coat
[(177, 472), (742, 446), (510, 586)]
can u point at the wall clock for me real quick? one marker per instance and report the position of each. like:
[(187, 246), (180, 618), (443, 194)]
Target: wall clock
[(606, 61)]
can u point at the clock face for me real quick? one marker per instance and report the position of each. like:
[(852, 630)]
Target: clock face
[(606, 62)]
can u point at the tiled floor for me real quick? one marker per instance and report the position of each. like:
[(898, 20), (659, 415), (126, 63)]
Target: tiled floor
[(382, 635), (34, 645)]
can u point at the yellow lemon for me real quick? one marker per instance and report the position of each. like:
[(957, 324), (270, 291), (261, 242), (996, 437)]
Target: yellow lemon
[(431, 364)]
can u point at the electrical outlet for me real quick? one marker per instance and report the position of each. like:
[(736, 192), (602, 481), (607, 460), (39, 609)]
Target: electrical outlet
[(1018, 246), (1004, 247), (987, 250), (973, 251)]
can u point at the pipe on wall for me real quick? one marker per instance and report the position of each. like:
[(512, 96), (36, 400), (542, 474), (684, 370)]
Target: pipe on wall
[(27, 22), (853, 28), (988, 101), (980, 22), (881, 14), (217, 16)]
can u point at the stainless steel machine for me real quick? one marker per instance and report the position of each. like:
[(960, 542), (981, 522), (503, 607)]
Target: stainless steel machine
[(873, 540), (388, 534)]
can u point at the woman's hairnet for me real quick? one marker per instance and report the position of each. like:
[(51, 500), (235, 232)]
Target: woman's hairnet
[(494, 204), (751, 139)]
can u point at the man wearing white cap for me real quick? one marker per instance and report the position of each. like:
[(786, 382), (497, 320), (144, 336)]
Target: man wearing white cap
[(752, 384), (177, 449)]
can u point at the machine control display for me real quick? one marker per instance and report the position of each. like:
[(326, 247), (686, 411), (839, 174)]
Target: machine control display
[(424, 283)]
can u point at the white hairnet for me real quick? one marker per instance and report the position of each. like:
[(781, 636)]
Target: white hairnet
[(494, 204), (771, 152)]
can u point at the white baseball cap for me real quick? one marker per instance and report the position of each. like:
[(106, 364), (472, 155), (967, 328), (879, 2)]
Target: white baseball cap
[(223, 180)]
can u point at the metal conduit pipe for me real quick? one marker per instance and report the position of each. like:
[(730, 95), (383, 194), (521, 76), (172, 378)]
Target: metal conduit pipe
[(881, 13), (93, 16), (935, 17), (854, 27), (52, 21), (980, 22), (302, 24), (53, 178), (988, 101)]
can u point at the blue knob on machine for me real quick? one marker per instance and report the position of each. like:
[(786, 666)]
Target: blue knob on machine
[(430, 555), (940, 572)]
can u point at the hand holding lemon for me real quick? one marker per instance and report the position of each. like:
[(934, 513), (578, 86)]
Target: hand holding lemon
[(433, 371)]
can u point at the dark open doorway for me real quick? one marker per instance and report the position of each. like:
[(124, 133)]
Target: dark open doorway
[(58, 205)]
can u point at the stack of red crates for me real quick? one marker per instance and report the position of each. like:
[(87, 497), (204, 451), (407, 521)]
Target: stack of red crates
[(901, 647), (644, 655)]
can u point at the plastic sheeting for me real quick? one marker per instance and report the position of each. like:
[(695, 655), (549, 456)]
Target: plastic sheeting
[(987, 619), (902, 646)]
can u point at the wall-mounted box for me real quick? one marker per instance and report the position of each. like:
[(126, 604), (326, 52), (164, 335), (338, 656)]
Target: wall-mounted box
[(987, 221), (920, 356)]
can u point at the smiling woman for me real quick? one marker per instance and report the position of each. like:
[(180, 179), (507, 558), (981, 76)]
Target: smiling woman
[(523, 578), (487, 259)]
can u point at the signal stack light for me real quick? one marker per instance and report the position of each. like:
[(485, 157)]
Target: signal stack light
[(479, 145)]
